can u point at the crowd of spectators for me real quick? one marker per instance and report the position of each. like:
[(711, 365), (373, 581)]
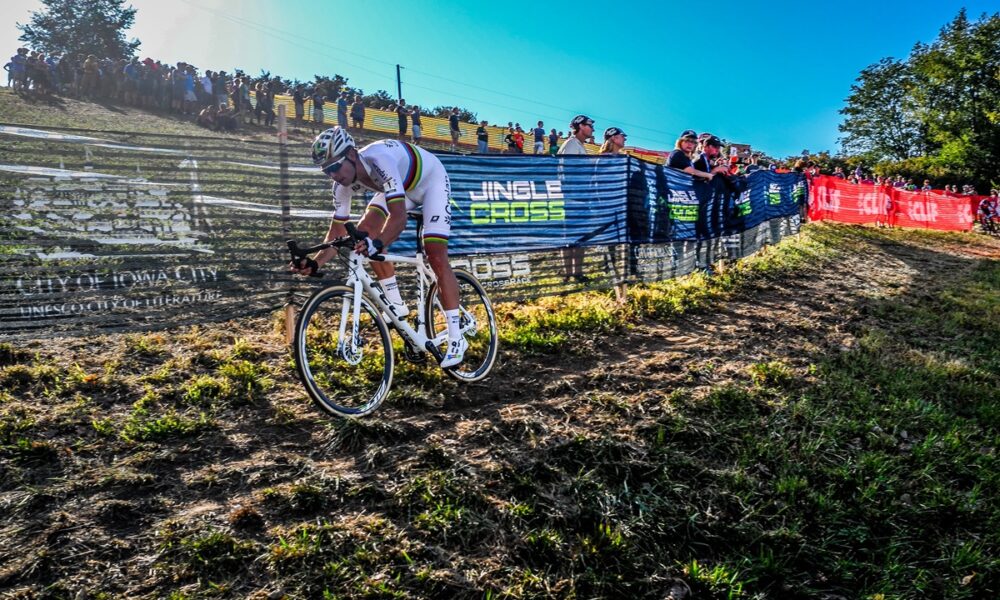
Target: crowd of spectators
[(222, 102), (215, 99), (862, 177)]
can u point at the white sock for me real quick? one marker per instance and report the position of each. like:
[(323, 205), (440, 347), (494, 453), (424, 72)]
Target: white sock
[(454, 331), (391, 289)]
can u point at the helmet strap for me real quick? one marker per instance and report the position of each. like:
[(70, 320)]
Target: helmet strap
[(355, 165)]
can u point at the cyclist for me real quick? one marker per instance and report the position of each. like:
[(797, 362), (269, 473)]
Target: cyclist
[(988, 209), (405, 178)]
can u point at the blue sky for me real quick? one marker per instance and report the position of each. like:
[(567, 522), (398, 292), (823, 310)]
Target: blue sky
[(771, 77)]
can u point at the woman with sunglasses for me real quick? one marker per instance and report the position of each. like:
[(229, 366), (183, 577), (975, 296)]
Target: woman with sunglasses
[(404, 178)]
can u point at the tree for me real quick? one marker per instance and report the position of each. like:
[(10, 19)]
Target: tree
[(464, 115), (330, 87), (81, 27), (879, 117), (380, 99), (937, 111), (957, 91)]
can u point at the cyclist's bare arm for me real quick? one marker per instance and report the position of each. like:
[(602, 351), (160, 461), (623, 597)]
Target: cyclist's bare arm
[(395, 224)]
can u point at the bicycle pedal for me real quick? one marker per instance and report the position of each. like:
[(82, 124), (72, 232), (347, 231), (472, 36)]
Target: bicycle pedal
[(412, 356)]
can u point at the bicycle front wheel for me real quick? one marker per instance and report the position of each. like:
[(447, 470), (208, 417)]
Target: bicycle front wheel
[(343, 353), (478, 323)]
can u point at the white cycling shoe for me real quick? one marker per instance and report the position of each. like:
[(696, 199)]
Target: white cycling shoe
[(456, 352)]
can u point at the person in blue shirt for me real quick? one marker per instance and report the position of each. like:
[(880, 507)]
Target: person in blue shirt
[(342, 110), (539, 133)]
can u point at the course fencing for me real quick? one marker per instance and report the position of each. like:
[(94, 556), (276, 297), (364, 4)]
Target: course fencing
[(837, 200), (119, 231)]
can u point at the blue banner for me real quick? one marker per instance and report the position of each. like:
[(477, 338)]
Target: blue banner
[(504, 204)]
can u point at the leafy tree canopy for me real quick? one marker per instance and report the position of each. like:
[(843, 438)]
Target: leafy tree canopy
[(938, 110), (81, 27)]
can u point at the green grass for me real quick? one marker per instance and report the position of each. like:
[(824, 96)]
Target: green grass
[(861, 470), (550, 325)]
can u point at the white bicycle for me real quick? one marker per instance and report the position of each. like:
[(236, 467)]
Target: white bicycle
[(342, 347)]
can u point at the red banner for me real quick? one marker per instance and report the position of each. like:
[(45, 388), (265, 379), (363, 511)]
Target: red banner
[(838, 200)]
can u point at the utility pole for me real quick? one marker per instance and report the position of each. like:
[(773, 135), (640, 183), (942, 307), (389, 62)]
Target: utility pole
[(399, 85)]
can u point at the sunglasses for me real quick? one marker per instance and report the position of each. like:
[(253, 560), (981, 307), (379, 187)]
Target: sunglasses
[(333, 167)]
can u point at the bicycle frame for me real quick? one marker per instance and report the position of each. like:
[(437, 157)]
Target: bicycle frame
[(362, 282)]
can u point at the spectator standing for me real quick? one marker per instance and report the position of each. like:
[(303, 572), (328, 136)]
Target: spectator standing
[(403, 116), (682, 154), (219, 85), (711, 150), (358, 112), (927, 186), (519, 139), (455, 130), (147, 86), (614, 141), (131, 73), (317, 107), (19, 69), (482, 138), (299, 101), (189, 96), (553, 142), (175, 81), (539, 134), (208, 91), (265, 100), (582, 127), (417, 131), (259, 93), (342, 110), (91, 77), (244, 92), (508, 140)]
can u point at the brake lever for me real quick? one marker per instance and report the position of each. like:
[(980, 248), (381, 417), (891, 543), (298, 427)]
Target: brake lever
[(359, 236), (298, 256)]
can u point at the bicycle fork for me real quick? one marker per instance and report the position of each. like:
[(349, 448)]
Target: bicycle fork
[(350, 348)]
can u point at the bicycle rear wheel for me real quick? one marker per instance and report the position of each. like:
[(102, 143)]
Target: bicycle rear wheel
[(478, 323), (345, 363)]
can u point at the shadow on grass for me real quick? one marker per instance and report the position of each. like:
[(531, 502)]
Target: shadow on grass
[(839, 471)]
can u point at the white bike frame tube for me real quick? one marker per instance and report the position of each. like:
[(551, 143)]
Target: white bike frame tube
[(360, 279)]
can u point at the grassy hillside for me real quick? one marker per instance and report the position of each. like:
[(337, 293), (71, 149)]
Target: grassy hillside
[(68, 112), (821, 421)]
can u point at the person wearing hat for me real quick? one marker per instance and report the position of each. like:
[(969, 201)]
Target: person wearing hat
[(683, 151), (614, 141), (582, 127), (711, 150)]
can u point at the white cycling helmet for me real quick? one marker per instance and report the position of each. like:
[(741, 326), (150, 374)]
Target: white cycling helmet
[(330, 144)]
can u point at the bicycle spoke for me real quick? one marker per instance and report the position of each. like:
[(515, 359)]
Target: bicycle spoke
[(345, 362), (478, 324)]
